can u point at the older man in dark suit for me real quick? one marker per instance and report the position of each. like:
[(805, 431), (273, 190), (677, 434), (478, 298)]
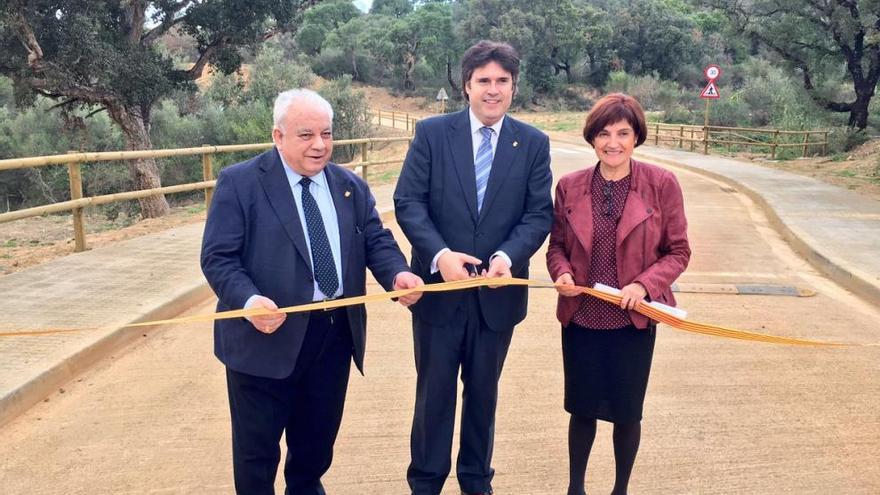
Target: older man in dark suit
[(285, 228), (473, 198)]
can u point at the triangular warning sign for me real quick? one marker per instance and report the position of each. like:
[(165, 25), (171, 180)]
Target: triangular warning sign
[(710, 91)]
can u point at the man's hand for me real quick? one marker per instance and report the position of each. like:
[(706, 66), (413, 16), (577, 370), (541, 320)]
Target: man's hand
[(565, 286), (266, 323), (631, 295), (451, 265), (497, 269), (407, 280)]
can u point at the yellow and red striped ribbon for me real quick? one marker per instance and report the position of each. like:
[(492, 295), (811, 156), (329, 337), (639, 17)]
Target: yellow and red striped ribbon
[(645, 309)]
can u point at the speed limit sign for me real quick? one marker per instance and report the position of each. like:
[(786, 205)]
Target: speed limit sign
[(712, 72)]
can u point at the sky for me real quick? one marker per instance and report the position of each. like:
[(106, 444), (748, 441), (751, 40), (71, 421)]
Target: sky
[(364, 5)]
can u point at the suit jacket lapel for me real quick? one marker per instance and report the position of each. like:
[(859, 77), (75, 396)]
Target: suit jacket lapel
[(579, 210), (634, 210), (277, 188), (504, 160), (461, 144), (342, 191)]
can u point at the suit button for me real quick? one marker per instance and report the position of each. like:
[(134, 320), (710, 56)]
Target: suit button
[(650, 210)]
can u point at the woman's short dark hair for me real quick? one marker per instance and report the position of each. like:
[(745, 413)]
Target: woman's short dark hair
[(611, 109), (485, 52)]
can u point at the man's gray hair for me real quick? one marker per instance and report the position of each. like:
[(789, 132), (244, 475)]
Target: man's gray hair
[(290, 97)]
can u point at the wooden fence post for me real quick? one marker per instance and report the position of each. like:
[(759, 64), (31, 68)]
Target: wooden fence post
[(393, 120), (692, 139), (74, 172), (806, 142), (656, 134), (825, 144), (208, 174), (364, 159), (705, 140), (775, 143), (681, 137)]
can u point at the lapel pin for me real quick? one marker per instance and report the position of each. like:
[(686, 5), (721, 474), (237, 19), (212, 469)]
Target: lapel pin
[(515, 144), (347, 193)]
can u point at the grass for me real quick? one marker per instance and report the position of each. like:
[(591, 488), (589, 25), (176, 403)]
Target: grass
[(11, 243)]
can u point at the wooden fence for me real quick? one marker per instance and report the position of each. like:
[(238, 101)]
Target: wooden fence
[(396, 120), (702, 137), (74, 162)]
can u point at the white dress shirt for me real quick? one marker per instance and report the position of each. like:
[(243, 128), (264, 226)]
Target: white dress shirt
[(476, 139)]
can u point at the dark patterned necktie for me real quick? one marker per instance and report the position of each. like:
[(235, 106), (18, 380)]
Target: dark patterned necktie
[(323, 265)]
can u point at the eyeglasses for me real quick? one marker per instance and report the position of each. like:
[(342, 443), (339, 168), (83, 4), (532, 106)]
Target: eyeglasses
[(608, 194)]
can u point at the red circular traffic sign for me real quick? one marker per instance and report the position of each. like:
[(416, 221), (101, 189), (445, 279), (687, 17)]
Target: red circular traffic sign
[(712, 72)]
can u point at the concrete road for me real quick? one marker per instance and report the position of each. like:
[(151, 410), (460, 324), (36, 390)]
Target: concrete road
[(721, 416)]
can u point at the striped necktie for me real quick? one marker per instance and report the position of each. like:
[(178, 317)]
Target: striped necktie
[(483, 164)]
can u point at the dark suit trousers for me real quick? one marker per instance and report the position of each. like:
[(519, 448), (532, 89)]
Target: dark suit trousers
[(468, 344), (306, 406)]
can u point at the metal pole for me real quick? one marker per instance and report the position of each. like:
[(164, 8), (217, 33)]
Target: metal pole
[(76, 192), (706, 129)]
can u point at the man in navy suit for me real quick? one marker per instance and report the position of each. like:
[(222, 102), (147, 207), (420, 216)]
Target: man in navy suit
[(473, 198), (285, 228)]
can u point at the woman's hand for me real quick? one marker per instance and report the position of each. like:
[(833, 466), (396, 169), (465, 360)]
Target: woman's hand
[(565, 286), (631, 295)]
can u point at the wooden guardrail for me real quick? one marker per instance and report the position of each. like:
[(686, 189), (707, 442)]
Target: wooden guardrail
[(396, 120), (705, 136), (74, 162)]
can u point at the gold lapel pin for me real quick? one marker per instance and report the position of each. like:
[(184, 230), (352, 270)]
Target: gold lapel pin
[(347, 193), (515, 144)]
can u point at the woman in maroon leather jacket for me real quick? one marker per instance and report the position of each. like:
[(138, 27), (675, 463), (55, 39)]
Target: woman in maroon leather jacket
[(620, 223)]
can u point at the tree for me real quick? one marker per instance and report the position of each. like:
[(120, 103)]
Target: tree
[(410, 38), (816, 38), (103, 56), (322, 19), (654, 36), (393, 8)]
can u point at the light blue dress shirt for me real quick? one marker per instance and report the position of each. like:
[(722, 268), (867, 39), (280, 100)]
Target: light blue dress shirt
[(321, 192), (476, 139)]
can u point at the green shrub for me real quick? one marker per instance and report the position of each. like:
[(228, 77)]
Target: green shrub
[(842, 140), (618, 82), (351, 115)]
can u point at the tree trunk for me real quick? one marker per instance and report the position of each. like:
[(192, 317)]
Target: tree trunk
[(409, 66), (144, 171), (452, 83), (354, 67), (858, 113)]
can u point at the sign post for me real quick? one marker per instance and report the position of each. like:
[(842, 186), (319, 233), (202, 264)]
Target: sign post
[(709, 93), (442, 97)]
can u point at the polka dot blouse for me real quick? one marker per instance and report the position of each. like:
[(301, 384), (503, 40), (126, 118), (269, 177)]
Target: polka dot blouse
[(608, 198)]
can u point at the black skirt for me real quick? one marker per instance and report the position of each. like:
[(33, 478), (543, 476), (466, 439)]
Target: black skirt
[(606, 371)]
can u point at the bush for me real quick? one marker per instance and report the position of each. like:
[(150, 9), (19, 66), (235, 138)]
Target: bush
[(618, 82), (842, 140), (351, 115)]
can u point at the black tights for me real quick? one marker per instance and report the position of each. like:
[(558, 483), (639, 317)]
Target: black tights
[(581, 432)]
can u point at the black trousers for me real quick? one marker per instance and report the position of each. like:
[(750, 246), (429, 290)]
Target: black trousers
[(468, 344), (306, 406)]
